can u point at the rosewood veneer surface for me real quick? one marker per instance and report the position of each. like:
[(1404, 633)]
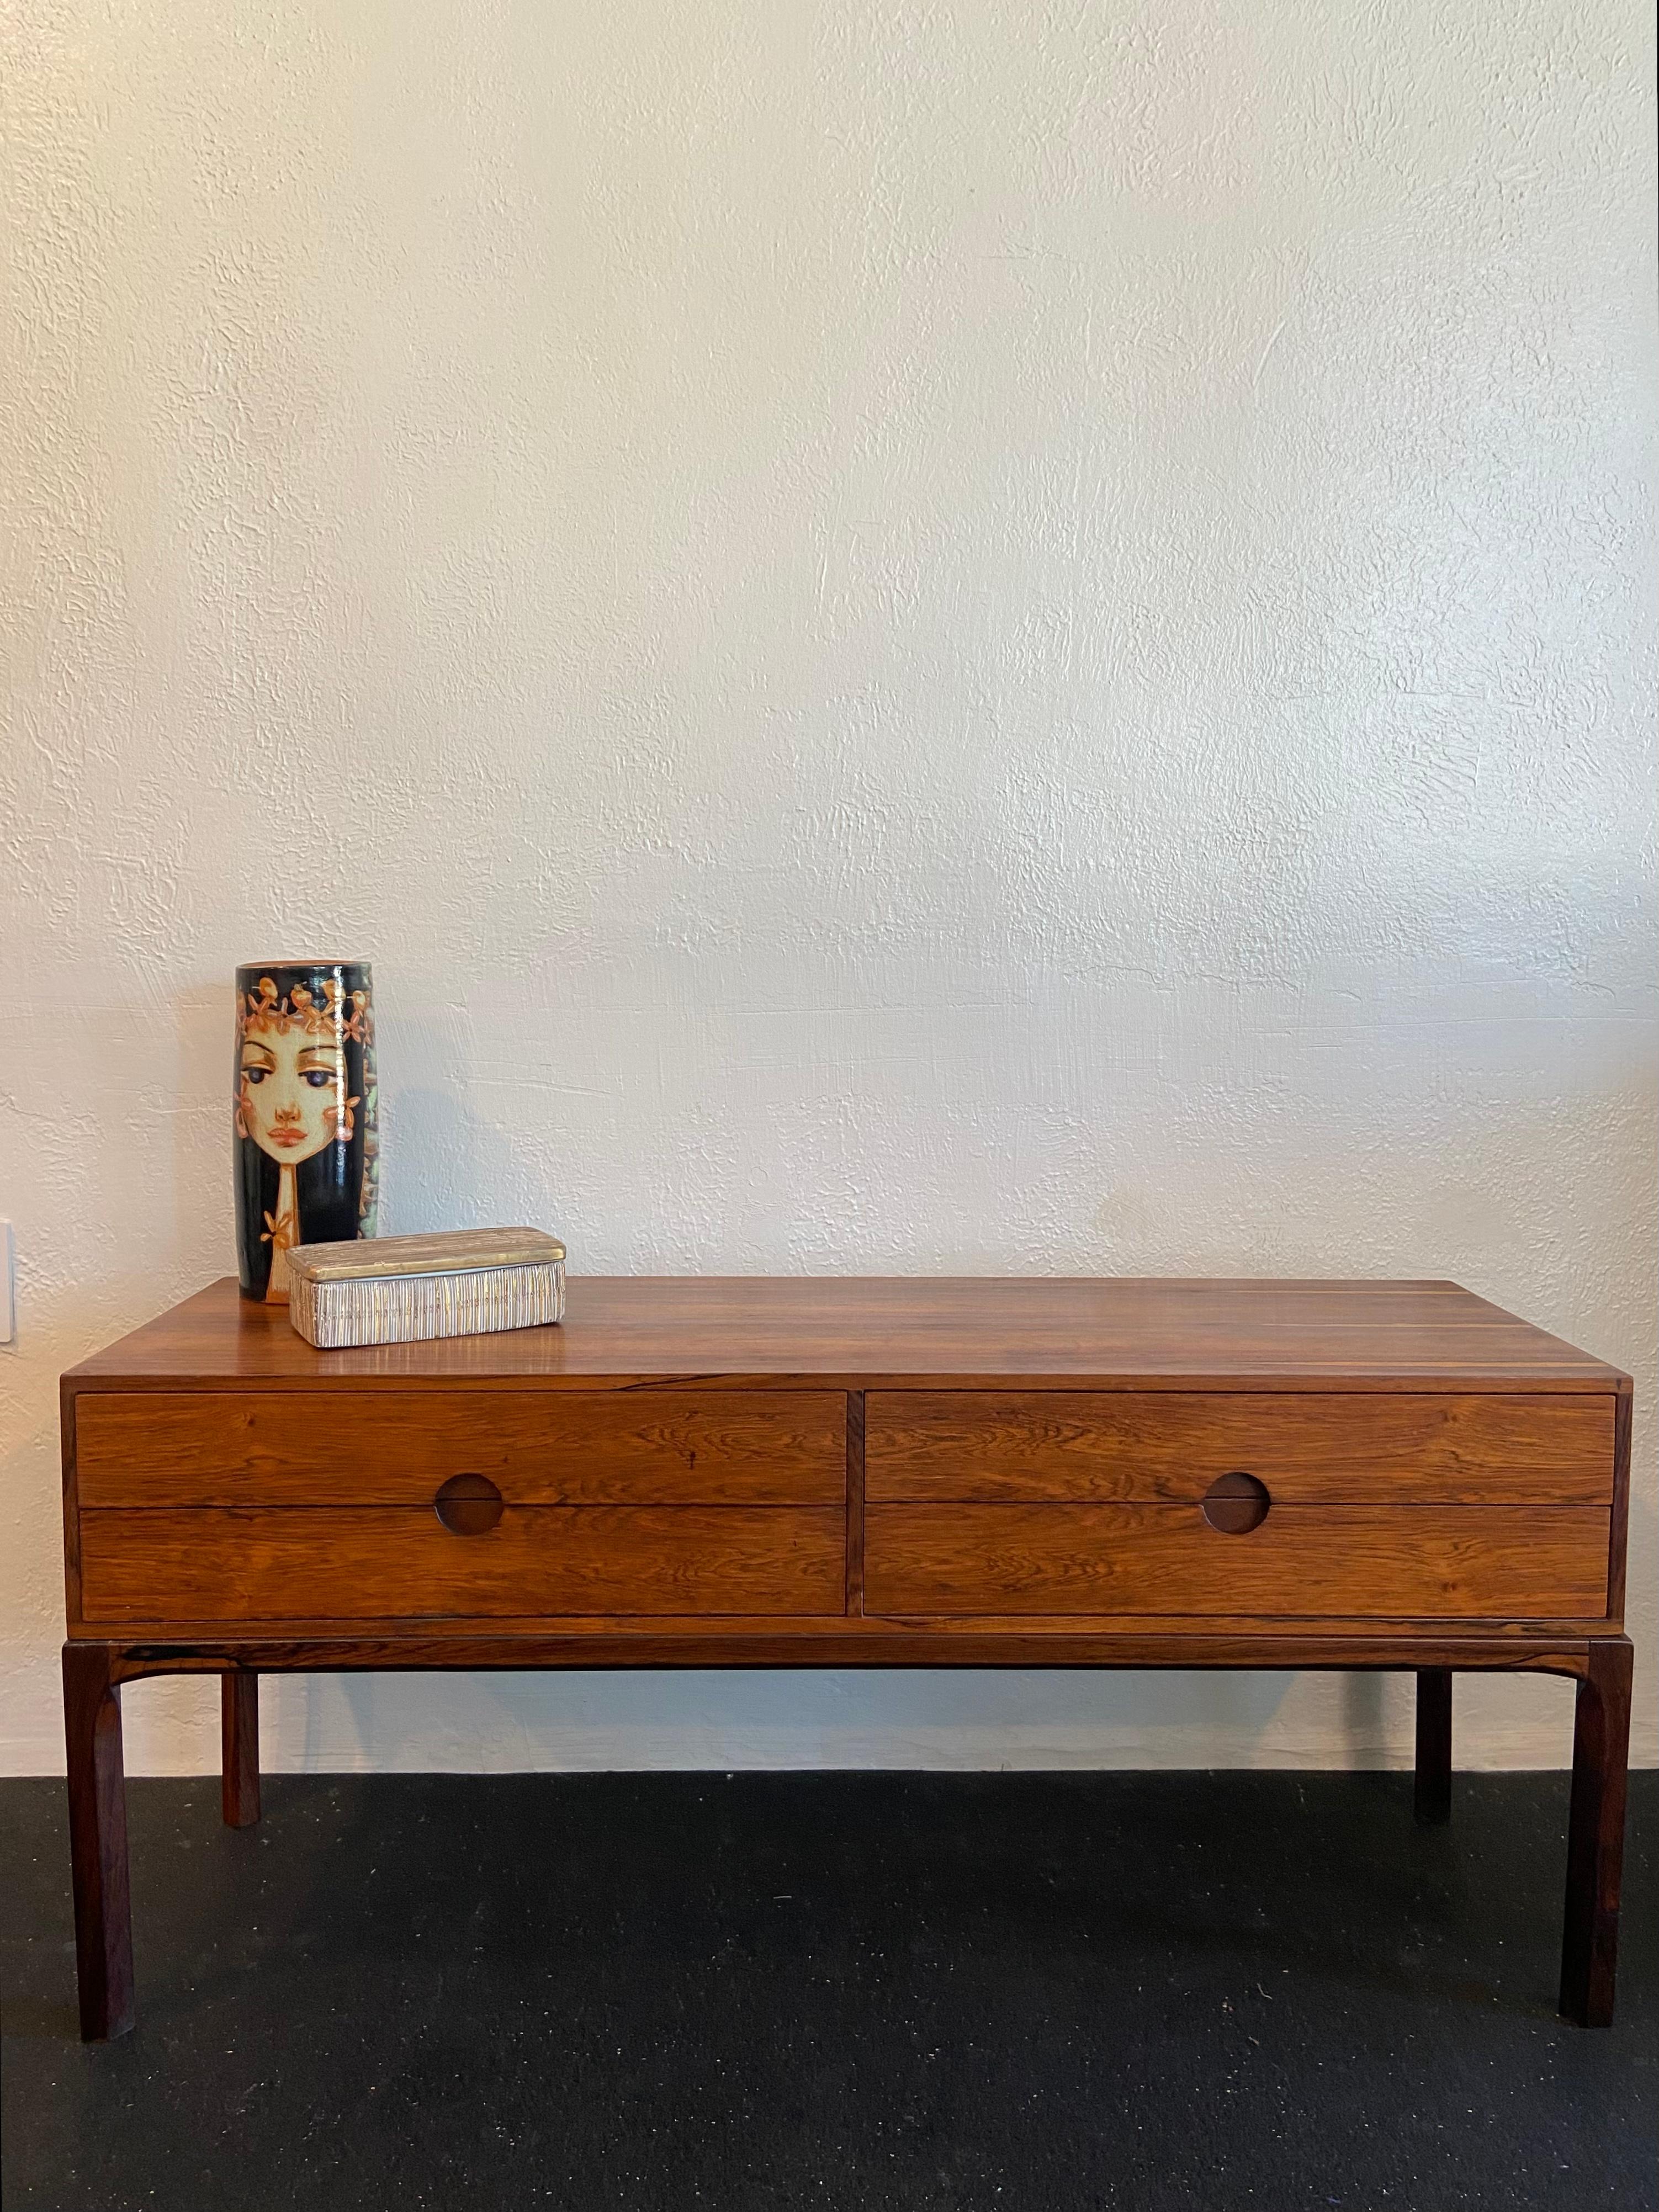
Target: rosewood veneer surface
[(752, 1471), (855, 1331)]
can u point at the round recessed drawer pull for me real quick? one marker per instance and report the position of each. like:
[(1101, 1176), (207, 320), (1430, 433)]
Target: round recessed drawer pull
[(468, 1504), (1235, 1503)]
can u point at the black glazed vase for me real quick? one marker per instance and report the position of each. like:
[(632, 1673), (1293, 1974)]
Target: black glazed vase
[(306, 1140)]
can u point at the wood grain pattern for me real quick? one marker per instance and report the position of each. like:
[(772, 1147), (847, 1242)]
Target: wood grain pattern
[(351, 1563), (687, 1486), (855, 1502), (1595, 1834), (1619, 1532), (98, 1840), (67, 1426), (1364, 1561), (708, 1447), (239, 1748), (864, 1332), (307, 1647), (886, 1640), (1333, 1448)]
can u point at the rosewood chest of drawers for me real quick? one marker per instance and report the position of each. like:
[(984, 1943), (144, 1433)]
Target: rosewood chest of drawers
[(746, 1472)]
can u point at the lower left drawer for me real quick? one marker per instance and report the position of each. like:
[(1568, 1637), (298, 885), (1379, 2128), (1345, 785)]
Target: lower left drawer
[(383, 1563)]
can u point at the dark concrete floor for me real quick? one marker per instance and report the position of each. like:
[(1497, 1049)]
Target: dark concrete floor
[(1039, 1992)]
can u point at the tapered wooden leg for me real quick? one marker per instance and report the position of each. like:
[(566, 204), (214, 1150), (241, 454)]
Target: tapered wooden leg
[(1595, 1834), (239, 1744), (98, 1841), (1432, 1800)]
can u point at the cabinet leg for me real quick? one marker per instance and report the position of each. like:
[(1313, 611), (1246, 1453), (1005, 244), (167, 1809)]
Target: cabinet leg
[(1595, 1834), (98, 1841), (1432, 1800), (239, 1746)]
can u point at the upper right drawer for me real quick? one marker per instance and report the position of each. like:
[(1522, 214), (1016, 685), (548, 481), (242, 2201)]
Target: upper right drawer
[(1330, 1447)]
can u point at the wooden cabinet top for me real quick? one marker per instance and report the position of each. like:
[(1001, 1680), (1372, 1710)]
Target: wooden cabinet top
[(871, 1332)]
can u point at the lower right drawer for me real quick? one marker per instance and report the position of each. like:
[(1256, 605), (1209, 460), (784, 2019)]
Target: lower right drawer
[(1428, 1562)]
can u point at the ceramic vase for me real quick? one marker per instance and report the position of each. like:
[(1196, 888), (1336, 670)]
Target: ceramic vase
[(307, 1112)]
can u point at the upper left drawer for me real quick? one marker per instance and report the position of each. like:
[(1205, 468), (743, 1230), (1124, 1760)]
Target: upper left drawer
[(539, 1446)]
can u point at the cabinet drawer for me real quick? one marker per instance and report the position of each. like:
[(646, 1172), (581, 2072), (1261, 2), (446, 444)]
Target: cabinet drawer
[(363, 1562), (539, 1446), (1431, 1562), (1324, 1448)]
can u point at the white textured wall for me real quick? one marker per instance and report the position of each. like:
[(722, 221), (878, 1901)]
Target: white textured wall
[(984, 638)]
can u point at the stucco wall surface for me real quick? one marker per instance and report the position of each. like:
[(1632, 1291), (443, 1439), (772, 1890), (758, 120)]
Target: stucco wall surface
[(988, 638)]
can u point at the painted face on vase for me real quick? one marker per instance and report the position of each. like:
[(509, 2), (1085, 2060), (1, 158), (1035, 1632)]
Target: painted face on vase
[(288, 1099), (304, 1106)]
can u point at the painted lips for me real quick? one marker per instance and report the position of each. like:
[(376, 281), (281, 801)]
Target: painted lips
[(288, 1137)]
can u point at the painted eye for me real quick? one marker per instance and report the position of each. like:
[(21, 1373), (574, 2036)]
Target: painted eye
[(255, 1074), (318, 1077)]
